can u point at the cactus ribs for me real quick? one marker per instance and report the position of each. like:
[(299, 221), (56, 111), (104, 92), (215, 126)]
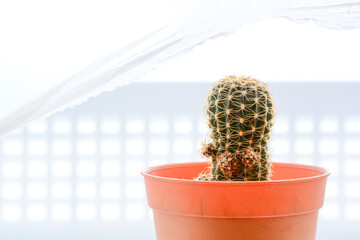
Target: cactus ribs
[(240, 114)]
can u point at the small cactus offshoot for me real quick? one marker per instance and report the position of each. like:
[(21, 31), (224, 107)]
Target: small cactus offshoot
[(240, 114)]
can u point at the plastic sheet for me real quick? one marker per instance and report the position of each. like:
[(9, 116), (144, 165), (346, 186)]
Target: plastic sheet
[(206, 20)]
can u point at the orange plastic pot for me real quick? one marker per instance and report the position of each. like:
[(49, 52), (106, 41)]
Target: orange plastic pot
[(285, 207)]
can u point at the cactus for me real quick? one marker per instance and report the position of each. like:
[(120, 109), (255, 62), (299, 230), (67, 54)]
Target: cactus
[(240, 114)]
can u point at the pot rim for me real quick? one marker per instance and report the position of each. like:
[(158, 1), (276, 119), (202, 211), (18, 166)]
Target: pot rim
[(147, 173)]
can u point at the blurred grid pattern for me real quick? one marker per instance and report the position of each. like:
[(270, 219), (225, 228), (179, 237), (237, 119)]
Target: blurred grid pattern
[(82, 166)]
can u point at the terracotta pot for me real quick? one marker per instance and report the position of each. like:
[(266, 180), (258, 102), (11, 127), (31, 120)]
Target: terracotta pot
[(284, 208)]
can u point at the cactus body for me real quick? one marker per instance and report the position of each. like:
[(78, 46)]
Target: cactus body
[(240, 111)]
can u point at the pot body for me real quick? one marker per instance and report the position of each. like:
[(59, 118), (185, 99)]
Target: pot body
[(286, 207)]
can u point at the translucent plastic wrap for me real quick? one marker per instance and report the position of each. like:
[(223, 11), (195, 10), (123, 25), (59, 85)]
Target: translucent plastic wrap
[(203, 20)]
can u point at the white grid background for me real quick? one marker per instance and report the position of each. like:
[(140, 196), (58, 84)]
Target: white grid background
[(81, 167)]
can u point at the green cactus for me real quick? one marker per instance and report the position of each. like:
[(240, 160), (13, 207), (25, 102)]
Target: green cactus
[(240, 114)]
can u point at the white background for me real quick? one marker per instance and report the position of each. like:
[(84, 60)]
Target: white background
[(42, 43)]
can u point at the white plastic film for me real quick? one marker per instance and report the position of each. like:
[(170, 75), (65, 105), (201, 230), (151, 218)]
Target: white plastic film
[(203, 20)]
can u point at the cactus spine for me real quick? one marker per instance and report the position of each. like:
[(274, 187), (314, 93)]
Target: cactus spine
[(240, 113)]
